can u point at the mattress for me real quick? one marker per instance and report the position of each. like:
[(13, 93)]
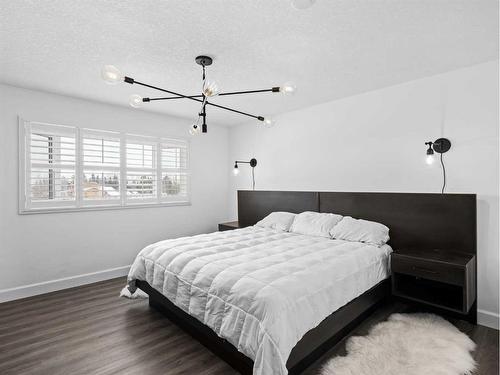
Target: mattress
[(260, 289)]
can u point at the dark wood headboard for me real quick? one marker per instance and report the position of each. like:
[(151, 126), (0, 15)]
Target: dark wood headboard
[(254, 205), (441, 221)]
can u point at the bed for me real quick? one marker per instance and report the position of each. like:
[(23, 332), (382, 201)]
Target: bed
[(261, 289), (271, 302)]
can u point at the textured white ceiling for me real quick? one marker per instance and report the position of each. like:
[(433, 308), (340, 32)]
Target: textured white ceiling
[(332, 50)]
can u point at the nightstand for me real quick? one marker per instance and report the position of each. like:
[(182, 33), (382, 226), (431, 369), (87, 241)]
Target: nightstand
[(229, 226), (437, 278)]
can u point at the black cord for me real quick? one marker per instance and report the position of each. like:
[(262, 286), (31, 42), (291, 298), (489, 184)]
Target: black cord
[(444, 174), (253, 179)]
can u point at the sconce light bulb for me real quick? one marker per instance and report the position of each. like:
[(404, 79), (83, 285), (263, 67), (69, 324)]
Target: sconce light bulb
[(429, 159), (236, 170)]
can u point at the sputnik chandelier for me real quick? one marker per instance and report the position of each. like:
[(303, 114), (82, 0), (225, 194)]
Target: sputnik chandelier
[(210, 89)]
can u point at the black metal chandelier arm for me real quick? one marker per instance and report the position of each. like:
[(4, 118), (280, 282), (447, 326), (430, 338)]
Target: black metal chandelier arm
[(132, 81), (171, 97), (274, 89), (236, 111)]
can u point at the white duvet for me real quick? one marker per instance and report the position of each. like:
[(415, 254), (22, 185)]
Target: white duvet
[(260, 289)]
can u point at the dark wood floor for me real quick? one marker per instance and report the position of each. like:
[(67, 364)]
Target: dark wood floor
[(89, 330)]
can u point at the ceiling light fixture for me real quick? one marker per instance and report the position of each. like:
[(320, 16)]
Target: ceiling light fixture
[(302, 4), (111, 75)]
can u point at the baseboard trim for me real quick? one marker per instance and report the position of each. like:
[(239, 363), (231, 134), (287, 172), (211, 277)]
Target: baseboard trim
[(488, 319), (60, 284)]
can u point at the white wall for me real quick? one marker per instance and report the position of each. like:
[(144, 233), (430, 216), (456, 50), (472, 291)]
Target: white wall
[(44, 247), (369, 142), (375, 142)]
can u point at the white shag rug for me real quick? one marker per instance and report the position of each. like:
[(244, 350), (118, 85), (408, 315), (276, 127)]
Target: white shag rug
[(407, 344)]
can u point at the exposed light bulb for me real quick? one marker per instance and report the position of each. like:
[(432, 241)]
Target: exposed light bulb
[(269, 122), (288, 88), (302, 4), (111, 75), (135, 101), (236, 170), (429, 159), (210, 89), (194, 129)]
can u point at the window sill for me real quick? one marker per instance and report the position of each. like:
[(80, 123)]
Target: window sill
[(49, 210)]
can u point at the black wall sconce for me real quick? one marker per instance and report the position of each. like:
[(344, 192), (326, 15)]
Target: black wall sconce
[(440, 145), (253, 164)]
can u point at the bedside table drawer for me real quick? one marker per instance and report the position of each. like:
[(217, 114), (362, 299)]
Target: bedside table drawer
[(428, 270)]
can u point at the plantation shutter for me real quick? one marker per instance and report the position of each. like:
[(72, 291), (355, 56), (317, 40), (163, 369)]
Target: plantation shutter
[(141, 172), (66, 168), (174, 171), (101, 160), (50, 165)]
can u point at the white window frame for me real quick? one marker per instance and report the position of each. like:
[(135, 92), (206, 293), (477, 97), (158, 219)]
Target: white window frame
[(79, 204)]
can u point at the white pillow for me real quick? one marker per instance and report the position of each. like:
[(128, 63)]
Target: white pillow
[(315, 223), (359, 230), (277, 220)]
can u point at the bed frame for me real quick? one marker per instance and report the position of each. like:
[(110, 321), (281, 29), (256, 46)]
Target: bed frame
[(416, 221)]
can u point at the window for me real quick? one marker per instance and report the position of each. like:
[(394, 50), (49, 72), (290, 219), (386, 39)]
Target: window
[(51, 166), (101, 161), (70, 168), (141, 169), (174, 172)]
